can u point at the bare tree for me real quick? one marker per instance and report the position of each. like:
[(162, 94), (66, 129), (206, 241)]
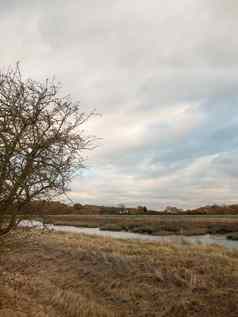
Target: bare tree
[(122, 208), (41, 143)]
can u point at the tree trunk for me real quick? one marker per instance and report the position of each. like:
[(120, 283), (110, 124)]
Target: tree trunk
[(10, 226)]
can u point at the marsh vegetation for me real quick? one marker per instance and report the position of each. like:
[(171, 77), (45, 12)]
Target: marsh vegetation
[(151, 224)]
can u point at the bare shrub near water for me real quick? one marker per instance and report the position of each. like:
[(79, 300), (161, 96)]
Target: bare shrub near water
[(41, 143)]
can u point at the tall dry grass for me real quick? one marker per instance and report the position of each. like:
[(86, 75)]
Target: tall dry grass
[(58, 274)]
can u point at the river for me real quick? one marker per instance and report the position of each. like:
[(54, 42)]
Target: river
[(206, 239)]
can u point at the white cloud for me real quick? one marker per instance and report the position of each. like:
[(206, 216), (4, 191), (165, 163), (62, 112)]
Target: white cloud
[(164, 76)]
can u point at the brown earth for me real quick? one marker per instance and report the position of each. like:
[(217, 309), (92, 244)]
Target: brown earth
[(58, 274)]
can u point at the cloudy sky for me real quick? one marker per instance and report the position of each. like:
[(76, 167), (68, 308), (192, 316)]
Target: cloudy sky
[(163, 75)]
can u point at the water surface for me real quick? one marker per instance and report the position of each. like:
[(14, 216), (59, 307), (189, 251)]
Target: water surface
[(206, 239)]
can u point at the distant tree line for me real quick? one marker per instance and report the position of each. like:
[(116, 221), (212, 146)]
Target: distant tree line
[(44, 207)]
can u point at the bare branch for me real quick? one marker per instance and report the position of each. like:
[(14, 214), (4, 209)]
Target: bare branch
[(41, 143)]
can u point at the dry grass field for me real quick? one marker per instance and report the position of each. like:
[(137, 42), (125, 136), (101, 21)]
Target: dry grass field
[(71, 275), (158, 225)]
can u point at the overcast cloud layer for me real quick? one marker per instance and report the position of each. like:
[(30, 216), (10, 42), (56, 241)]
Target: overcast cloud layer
[(164, 76)]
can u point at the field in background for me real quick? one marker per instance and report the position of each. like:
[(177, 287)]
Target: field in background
[(62, 275), (151, 224), (59, 208)]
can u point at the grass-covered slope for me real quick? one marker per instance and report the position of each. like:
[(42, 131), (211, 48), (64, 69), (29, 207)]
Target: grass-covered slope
[(57, 274)]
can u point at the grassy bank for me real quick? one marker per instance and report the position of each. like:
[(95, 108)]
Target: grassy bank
[(156, 225), (57, 274)]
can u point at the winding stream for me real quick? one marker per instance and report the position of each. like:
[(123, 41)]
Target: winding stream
[(181, 239)]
